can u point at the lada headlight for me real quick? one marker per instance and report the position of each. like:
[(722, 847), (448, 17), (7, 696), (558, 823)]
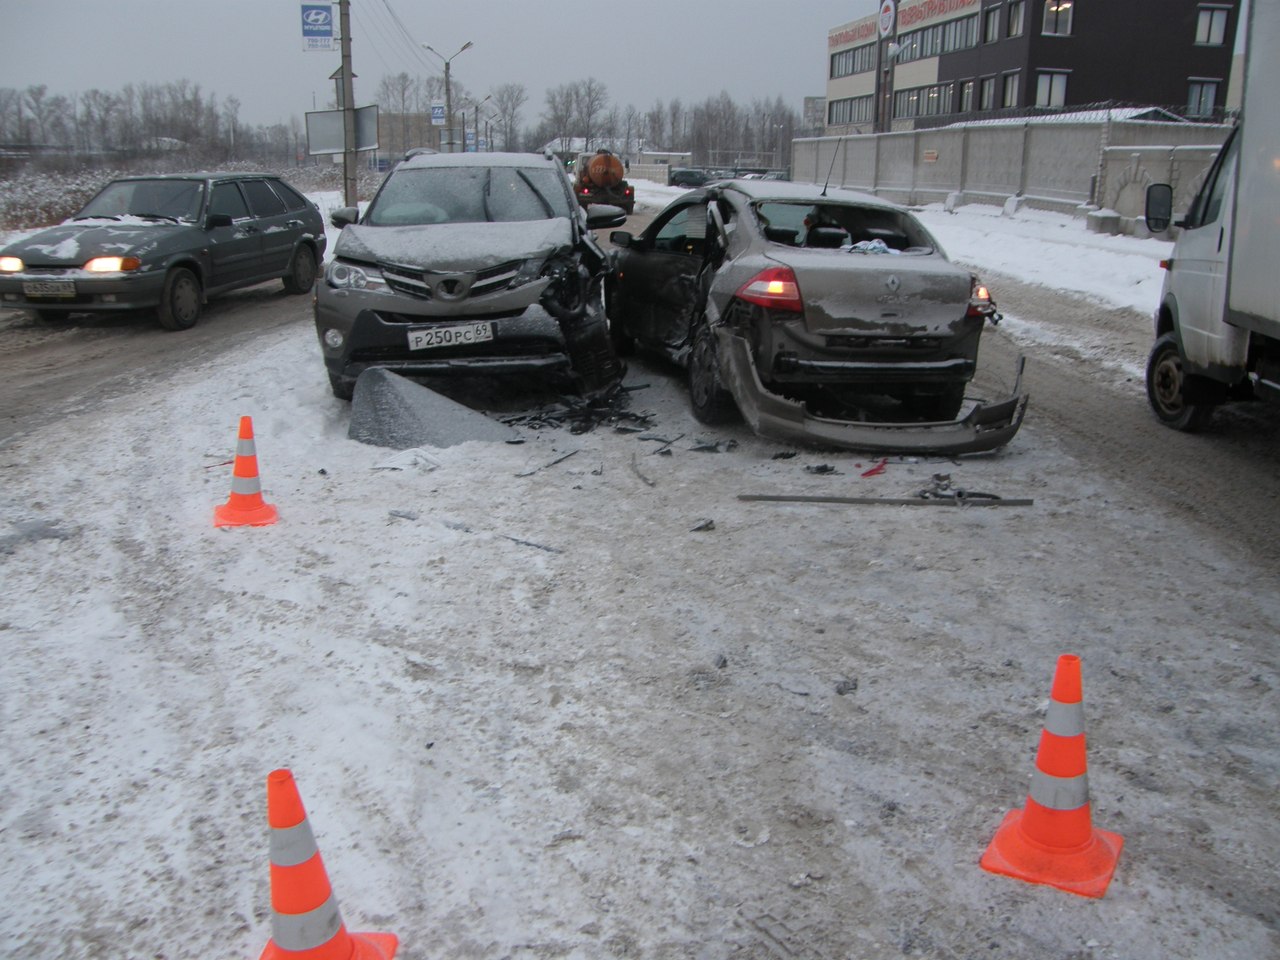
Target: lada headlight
[(10, 264), (348, 276)]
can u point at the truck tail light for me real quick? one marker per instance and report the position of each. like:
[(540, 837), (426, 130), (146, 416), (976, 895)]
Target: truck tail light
[(774, 288)]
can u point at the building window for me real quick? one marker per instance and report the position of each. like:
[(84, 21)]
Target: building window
[(1009, 91), (966, 96), (849, 110), (1051, 89), (858, 60), (959, 34), (987, 94), (1202, 96), (1211, 26), (1057, 18), (929, 101), (1017, 12), (991, 25)]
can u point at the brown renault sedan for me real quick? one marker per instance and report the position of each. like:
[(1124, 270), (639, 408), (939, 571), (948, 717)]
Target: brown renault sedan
[(817, 314)]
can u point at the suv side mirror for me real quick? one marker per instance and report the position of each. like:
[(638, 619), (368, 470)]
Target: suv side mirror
[(620, 238), (343, 216), (1159, 212), (603, 215)]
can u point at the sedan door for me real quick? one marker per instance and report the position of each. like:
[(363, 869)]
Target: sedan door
[(658, 282), (278, 227), (235, 250)]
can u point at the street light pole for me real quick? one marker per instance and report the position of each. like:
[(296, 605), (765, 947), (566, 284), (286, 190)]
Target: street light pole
[(448, 89)]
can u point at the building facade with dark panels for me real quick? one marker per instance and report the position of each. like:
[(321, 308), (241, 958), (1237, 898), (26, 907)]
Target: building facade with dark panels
[(950, 61)]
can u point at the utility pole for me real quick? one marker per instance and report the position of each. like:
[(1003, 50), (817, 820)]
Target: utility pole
[(348, 105)]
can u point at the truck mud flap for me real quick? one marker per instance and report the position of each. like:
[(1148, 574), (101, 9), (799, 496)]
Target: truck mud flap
[(986, 427)]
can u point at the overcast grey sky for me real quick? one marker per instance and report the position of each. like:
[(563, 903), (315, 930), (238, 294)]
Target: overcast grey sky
[(252, 49)]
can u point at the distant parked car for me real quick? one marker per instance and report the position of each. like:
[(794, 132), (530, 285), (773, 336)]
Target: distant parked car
[(469, 264), (818, 314), (687, 177), (167, 243)]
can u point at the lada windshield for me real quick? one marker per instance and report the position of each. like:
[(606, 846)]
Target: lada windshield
[(427, 195), (161, 199)]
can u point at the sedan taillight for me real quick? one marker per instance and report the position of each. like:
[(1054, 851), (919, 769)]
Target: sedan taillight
[(774, 288), (980, 302)]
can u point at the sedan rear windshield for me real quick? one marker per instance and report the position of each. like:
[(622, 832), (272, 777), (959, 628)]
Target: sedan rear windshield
[(162, 199), (468, 195), (842, 226)]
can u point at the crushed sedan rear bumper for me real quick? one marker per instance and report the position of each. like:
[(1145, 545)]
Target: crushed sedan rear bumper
[(986, 427)]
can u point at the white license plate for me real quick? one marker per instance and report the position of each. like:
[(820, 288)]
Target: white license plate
[(452, 336), (49, 288)]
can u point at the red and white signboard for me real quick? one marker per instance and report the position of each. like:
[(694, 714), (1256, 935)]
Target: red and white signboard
[(888, 13)]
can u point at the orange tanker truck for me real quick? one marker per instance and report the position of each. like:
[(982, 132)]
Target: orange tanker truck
[(598, 178)]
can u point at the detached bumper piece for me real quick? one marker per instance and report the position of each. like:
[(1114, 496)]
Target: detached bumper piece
[(987, 426)]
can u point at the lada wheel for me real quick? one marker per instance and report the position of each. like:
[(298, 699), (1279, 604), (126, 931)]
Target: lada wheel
[(302, 271), (180, 303)]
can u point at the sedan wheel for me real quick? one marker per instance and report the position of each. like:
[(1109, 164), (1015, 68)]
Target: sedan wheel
[(302, 271), (712, 403), (180, 303)]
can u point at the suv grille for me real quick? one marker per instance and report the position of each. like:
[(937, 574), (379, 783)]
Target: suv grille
[(433, 285)]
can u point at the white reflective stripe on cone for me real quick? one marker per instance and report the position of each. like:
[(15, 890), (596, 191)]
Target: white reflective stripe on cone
[(244, 448), (1065, 719), (1059, 793), (307, 931), (291, 846), (246, 485)]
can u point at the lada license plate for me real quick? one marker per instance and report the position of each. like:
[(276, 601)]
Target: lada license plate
[(49, 288), (452, 336)]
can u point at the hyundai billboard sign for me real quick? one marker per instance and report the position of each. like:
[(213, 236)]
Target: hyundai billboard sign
[(317, 27)]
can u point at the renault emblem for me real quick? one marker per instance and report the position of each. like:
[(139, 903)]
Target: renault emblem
[(893, 283)]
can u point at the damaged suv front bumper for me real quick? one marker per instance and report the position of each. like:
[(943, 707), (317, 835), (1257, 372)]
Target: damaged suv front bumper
[(985, 427)]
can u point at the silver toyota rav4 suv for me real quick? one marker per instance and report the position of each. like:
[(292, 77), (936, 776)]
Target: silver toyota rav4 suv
[(469, 264)]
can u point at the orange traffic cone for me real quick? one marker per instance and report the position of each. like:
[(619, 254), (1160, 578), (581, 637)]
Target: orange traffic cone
[(305, 923), (245, 507), (1053, 840)]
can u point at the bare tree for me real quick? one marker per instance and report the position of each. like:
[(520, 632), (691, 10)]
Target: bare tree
[(508, 100), (656, 125), (590, 98), (559, 114)]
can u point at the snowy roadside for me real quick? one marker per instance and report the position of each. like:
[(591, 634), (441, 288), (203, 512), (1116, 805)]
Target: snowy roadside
[(541, 709)]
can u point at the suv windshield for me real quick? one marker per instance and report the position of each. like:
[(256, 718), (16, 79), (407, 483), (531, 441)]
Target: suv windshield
[(172, 199), (425, 195)]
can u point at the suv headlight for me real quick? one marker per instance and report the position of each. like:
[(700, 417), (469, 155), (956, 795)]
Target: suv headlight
[(348, 276), (529, 271)]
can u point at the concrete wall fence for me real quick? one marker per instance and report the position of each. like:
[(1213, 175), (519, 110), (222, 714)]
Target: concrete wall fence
[(1095, 169)]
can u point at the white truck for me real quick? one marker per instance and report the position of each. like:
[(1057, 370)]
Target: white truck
[(1218, 324)]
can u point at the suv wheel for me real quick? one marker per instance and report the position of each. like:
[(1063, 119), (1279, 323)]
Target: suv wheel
[(596, 366)]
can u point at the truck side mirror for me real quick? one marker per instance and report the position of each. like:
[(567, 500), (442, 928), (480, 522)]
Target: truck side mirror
[(1159, 211)]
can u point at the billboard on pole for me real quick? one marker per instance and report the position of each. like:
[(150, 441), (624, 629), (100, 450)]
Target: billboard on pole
[(325, 130), (317, 27)]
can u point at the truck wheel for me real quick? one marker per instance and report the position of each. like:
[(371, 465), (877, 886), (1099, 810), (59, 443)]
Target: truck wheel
[(712, 404), (180, 303), (1165, 383)]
